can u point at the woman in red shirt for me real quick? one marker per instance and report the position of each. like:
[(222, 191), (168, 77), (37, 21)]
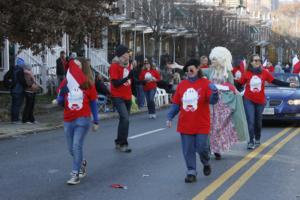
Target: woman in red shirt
[(150, 75), (192, 99), (254, 97), (78, 95), (204, 62)]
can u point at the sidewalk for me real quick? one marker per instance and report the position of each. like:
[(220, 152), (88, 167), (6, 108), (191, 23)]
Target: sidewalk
[(50, 121)]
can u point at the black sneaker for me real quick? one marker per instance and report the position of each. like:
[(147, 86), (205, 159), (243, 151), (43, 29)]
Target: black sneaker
[(190, 178), (218, 156), (206, 170), (74, 180), (251, 146), (82, 172), (124, 149), (257, 143)]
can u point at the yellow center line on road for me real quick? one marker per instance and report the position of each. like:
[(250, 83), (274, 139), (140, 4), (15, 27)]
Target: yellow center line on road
[(249, 173), (230, 172)]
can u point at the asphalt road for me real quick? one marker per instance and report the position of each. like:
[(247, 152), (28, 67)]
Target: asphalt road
[(37, 166)]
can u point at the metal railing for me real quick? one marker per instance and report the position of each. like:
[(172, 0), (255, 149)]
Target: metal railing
[(99, 62), (36, 62)]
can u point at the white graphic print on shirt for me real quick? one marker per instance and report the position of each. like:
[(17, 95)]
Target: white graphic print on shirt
[(190, 100), (125, 72), (148, 76), (75, 94), (75, 99), (238, 74), (255, 84)]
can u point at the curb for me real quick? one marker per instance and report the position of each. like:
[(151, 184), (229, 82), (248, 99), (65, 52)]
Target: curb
[(60, 125)]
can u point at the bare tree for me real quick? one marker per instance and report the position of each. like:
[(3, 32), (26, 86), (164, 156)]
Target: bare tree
[(156, 14), (216, 27)]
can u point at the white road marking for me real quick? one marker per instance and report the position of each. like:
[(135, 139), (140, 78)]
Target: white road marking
[(146, 133)]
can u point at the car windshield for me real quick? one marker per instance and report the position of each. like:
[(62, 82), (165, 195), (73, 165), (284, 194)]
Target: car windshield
[(286, 78)]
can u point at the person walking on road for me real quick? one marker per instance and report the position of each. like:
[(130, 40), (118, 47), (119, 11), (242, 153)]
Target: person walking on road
[(228, 117), (78, 94), (191, 100), (254, 97), (121, 93), (150, 75)]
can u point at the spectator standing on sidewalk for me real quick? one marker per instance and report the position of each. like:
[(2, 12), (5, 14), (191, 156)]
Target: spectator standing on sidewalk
[(121, 93), (204, 62), (17, 90), (151, 76), (60, 67), (30, 92), (138, 84), (100, 86), (192, 99), (79, 95)]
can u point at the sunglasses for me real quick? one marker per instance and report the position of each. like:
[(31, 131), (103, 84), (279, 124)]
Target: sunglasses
[(191, 71), (257, 60)]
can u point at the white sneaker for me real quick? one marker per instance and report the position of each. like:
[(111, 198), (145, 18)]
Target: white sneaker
[(74, 180), (154, 116), (82, 172)]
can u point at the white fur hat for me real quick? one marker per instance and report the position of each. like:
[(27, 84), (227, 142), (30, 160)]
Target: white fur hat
[(223, 56)]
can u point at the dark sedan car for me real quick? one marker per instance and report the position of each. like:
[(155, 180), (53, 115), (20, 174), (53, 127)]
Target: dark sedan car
[(283, 103)]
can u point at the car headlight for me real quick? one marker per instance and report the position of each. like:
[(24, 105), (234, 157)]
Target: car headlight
[(294, 102)]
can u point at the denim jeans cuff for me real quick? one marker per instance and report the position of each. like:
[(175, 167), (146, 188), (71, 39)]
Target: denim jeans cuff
[(191, 172)]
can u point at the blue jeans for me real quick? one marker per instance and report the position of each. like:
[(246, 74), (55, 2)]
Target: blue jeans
[(17, 100), (150, 100), (123, 108), (254, 118), (140, 96), (75, 132), (190, 145)]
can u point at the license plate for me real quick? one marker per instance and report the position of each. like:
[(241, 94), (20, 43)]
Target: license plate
[(269, 111)]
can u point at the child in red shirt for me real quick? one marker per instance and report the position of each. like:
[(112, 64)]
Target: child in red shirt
[(151, 76), (192, 99), (78, 94)]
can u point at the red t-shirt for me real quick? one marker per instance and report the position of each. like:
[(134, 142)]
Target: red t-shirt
[(118, 72), (255, 85), (204, 66), (77, 103), (270, 69), (296, 68), (237, 72), (151, 84), (193, 99)]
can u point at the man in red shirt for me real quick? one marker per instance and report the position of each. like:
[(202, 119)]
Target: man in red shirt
[(120, 75)]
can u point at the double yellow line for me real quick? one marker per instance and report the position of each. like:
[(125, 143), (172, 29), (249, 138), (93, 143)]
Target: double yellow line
[(204, 194)]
